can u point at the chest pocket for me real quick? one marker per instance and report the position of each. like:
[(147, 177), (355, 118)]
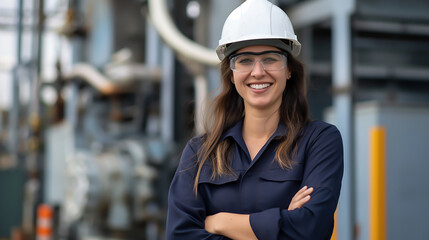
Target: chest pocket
[(281, 175), (276, 187), (206, 178), (206, 173), (218, 180), (219, 194)]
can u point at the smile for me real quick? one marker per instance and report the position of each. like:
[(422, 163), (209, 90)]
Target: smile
[(260, 86)]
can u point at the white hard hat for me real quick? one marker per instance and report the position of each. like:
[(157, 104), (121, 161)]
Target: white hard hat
[(257, 22)]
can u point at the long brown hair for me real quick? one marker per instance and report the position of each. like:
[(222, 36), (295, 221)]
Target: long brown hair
[(228, 109)]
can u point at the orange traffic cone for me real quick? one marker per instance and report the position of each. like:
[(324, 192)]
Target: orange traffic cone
[(44, 222)]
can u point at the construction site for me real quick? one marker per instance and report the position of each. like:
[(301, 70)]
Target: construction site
[(98, 98)]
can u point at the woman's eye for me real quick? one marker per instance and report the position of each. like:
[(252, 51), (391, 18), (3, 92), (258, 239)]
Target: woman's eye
[(245, 61), (270, 60)]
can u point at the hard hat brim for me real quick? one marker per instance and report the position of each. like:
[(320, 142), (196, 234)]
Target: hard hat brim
[(282, 44), (278, 43)]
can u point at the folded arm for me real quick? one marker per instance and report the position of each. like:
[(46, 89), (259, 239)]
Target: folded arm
[(237, 226), (306, 218), (323, 171)]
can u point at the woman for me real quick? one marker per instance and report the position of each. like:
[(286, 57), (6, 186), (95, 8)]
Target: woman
[(262, 170)]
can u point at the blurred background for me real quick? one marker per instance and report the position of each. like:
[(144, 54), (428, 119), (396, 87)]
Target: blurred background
[(98, 98)]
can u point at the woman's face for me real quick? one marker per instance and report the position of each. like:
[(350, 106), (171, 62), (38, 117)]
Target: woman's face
[(259, 88)]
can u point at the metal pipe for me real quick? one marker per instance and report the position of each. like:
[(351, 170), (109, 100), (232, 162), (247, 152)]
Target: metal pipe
[(391, 27), (105, 85), (14, 108), (309, 12), (340, 11), (93, 77), (342, 102), (19, 31), (163, 23), (167, 95), (200, 85), (36, 59)]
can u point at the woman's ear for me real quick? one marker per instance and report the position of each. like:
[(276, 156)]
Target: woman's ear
[(232, 80)]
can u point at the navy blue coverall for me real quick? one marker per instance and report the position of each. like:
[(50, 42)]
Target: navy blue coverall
[(261, 188)]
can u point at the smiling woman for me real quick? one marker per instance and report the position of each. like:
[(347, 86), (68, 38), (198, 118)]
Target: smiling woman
[(263, 169), (259, 76)]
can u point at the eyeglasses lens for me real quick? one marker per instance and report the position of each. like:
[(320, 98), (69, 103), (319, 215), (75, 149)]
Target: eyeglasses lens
[(269, 61)]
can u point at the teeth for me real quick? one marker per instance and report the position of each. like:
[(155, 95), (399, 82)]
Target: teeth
[(259, 86)]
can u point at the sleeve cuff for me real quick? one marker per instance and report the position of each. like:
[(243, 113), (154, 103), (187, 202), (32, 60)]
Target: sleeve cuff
[(265, 224)]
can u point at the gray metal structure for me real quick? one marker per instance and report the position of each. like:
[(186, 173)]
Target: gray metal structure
[(406, 167), (407, 149)]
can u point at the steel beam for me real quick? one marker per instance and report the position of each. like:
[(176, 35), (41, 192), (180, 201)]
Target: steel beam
[(339, 12), (310, 12), (14, 108), (342, 103), (167, 94)]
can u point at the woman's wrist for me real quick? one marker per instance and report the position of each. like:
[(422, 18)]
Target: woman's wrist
[(217, 223), (232, 225)]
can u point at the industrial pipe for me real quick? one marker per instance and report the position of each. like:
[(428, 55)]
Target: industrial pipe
[(108, 85), (94, 78), (158, 13)]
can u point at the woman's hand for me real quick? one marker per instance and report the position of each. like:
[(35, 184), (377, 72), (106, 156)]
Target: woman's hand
[(212, 222), (300, 198), (237, 226), (231, 225)]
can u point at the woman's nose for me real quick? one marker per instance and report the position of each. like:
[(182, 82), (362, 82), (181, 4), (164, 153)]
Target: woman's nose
[(258, 69)]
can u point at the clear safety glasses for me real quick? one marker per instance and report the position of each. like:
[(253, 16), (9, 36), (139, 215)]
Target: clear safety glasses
[(270, 61)]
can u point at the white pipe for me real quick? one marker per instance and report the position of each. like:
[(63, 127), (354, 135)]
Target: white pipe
[(93, 77), (163, 23), (310, 12), (200, 84)]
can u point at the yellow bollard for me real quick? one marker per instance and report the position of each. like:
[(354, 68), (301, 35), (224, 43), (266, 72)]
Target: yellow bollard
[(334, 232), (377, 184)]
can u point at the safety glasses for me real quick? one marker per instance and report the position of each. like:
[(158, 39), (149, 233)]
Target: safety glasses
[(270, 61)]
